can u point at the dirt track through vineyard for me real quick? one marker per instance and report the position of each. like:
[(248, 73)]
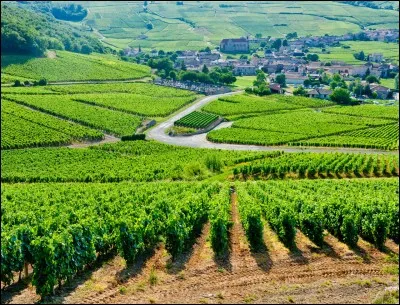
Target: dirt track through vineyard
[(331, 274)]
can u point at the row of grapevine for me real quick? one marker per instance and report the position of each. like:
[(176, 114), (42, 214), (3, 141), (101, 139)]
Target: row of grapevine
[(347, 210), (60, 229), (196, 120), (250, 215), (315, 165), (220, 221)]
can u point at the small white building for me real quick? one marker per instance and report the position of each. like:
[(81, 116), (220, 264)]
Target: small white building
[(375, 57)]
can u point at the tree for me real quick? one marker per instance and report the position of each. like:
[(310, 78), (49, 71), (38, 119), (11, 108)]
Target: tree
[(281, 79), (86, 49), (42, 82), (161, 53), (258, 35), (285, 43), (359, 56), (333, 84), (307, 82), (172, 75), (396, 82), (214, 76), (17, 83), (205, 69), (325, 79), (262, 90), (300, 91), (337, 78), (341, 96), (312, 57), (149, 26), (374, 95), (372, 79), (183, 66), (277, 44), (263, 44)]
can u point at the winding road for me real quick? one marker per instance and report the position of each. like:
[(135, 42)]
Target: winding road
[(200, 141)]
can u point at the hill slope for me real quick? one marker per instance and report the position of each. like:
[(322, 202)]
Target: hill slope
[(67, 66), (31, 32)]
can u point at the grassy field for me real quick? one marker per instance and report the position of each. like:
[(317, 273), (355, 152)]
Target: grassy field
[(387, 82), (195, 25), (390, 51), (244, 81), (85, 67)]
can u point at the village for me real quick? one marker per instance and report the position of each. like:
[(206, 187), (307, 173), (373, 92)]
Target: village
[(244, 56)]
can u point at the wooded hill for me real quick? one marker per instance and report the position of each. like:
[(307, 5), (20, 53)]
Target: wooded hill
[(25, 31)]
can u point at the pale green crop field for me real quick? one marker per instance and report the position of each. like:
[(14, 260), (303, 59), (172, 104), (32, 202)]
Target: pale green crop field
[(387, 82), (197, 24), (389, 51), (244, 81)]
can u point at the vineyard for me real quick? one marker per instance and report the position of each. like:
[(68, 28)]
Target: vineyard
[(124, 161), (136, 88), (346, 209), (98, 219), (241, 104), (136, 104), (43, 129), (117, 123), (323, 165), (364, 126), (86, 67), (372, 111), (117, 109), (15, 135), (197, 120), (244, 104), (60, 239)]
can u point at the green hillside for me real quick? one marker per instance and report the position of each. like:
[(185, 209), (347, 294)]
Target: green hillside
[(24, 31), (195, 25), (67, 66)]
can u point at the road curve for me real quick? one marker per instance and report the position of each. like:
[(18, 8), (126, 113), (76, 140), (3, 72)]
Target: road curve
[(200, 141)]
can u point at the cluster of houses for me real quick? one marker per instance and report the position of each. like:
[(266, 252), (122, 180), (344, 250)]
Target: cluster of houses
[(290, 60), (207, 89)]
